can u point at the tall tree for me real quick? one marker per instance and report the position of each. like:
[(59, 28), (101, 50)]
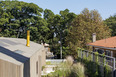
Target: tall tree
[(66, 18), (49, 17), (16, 17), (111, 23), (84, 25), (59, 26)]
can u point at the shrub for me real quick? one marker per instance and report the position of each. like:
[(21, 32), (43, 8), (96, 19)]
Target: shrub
[(77, 70), (69, 69)]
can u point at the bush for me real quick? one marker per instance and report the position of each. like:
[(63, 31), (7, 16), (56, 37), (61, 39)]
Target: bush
[(77, 70), (93, 67), (69, 69)]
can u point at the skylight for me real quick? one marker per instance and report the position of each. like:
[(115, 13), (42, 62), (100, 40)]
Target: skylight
[(18, 51)]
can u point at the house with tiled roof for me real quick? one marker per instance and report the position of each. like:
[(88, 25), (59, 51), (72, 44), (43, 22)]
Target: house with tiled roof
[(107, 46)]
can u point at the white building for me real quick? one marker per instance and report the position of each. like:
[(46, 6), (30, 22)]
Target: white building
[(18, 60)]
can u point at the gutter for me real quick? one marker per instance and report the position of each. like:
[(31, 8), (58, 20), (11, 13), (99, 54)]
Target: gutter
[(102, 47)]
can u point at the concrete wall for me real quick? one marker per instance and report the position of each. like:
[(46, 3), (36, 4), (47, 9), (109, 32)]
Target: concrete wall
[(8, 69), (36, 62)]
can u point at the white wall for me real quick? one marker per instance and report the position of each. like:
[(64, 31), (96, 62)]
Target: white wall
[(8, 69), (39, 57)]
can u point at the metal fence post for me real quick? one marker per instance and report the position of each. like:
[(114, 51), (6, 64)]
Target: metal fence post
[(91, 56), (78, 52), (114, 67), (81, 54), (104, 61), (87, 55)]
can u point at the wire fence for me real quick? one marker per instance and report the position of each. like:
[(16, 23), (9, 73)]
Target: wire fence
[(100, 59), (103, 64)]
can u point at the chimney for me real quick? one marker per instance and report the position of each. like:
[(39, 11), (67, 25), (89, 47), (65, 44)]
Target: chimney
[(28, 38), (93, 37)]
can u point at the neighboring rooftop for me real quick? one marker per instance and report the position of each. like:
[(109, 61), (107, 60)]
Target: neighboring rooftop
[(16, 51), (107, 43), (46, 45)]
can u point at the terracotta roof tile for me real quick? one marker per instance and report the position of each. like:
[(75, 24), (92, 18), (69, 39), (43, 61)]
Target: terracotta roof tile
[(109, 42)]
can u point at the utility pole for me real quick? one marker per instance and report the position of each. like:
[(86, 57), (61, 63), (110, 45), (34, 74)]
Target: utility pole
[(61, 43), (61, 51)]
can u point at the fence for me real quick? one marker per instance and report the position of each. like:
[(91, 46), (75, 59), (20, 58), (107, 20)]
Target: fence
[(100, 59), (55, 61), (58, 75), (54, 76)]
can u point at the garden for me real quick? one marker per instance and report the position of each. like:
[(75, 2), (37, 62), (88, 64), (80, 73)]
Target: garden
[(83, 67)]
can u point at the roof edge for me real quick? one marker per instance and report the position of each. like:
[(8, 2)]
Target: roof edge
[(102, 47)]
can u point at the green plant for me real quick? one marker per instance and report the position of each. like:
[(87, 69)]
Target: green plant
[(108, 72), (43, 67), (77, 70), (69, 69), (48, 63), (93, 68)]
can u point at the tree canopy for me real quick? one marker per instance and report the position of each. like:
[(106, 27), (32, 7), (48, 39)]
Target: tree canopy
[(17, 17), (111, 23), (83, 26), (58, 25), (65, 30)]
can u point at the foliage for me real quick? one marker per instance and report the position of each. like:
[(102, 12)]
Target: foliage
[(83, 26), (93, 68), (59, 26), (43, 67), (16, 17), (111, 23), (108, 72), (65, 30), (77, 70), (69, 69), (48, 63)]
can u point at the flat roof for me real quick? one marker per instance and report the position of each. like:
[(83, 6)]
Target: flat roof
[(16, 51), (105, 43)]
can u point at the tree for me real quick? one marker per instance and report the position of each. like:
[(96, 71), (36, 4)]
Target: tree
[(83, 26), (58, 25), (66, 18), (49, 16), (16, 17), (111, 23)]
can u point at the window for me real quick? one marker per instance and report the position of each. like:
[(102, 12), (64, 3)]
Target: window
[(101, 51), (37, 67), (108, 53)]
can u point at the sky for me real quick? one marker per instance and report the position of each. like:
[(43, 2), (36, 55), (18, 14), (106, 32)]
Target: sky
[(106, 8)]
